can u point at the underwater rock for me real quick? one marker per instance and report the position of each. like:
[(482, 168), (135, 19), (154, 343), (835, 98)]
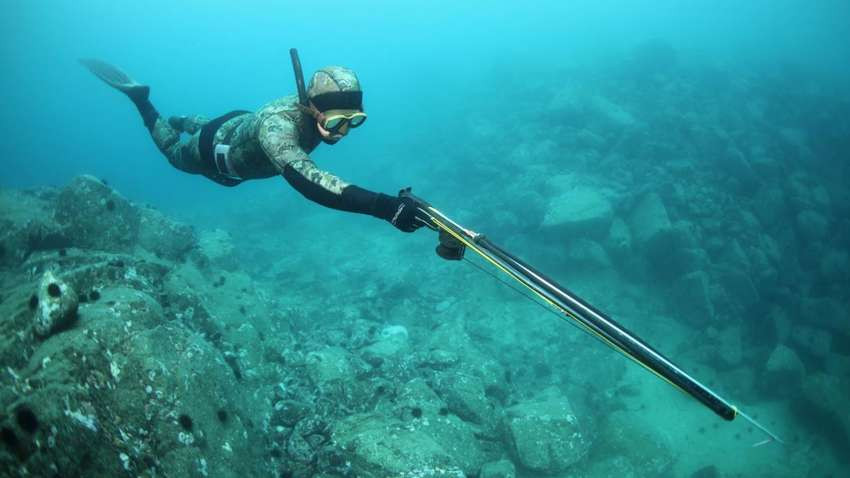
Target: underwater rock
[(783, 372), (425, 412), (439, 359), (465, 395), (811, 340), (544, 434), (95, 216), (738, 286), (417, 395), (56, 307), (648, 220), (692, 298), (26, 226), (498, 469), (393, 342), (586, 254), (378, 447), (675, 252), (217, 248), (166, 238), (580, 210), (331, 364), (127, 392), (459, 439)]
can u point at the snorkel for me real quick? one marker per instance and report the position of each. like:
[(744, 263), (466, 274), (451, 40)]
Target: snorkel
[(299, 79), (304, 101)]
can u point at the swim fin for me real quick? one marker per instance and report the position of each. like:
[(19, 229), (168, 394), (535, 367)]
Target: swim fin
[(138, 93), (116, 78)]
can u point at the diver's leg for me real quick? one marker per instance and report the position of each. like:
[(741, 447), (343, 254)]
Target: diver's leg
[(166, 134), (184, 156), (188, 124)]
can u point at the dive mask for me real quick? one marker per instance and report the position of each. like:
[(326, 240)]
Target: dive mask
[(334, 120)]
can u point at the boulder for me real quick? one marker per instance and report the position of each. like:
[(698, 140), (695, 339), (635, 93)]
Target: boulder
[(783, 372), (378, 447), (96, 217), (55, 305), (579, 210), (164, 237), (465, 396), (216, 248), (330, 364), (416, 399), (392, 343), (27, 225), (692, 298), (457, 438), (424, 411), (675, 252), (544, 434), (739, 288), (648, 221)]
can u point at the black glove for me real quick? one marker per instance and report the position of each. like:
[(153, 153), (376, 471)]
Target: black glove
[(402, 212)]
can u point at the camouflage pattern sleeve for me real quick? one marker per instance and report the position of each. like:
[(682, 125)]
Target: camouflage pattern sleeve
[(278, 137)]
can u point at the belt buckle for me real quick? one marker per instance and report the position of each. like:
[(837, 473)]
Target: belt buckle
[(220, 156)]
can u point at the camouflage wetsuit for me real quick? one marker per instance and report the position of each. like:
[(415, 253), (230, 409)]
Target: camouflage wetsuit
[(261, 144), (275, 140)]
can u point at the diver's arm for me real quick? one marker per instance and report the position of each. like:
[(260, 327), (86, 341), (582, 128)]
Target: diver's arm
[(279, 140), (330, 191)]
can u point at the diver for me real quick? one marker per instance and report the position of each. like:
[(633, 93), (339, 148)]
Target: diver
[(274, 140)]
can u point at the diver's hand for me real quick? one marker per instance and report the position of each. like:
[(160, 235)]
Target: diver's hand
[(402, 212), (407, 216)]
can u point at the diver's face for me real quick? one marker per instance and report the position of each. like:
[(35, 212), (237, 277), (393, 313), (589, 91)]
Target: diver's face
[(331, 138)]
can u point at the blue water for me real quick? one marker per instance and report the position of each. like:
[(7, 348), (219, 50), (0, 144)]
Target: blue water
[(477, 105)]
